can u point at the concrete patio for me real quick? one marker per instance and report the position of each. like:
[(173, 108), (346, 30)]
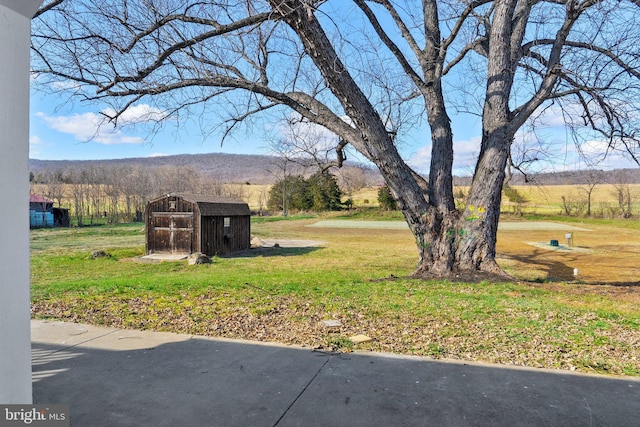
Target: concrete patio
[(115, 377)]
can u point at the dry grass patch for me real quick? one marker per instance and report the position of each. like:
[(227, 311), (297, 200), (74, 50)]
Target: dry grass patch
[(284, 294), (605, 254)]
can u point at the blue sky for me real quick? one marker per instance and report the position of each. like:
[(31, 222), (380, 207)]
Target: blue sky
[(71, 131), (64, 131)]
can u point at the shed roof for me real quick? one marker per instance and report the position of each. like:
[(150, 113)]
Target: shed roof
[(216, 205), (36, 198)]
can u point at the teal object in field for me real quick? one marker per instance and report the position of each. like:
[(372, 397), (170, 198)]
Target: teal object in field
[(40, 219)]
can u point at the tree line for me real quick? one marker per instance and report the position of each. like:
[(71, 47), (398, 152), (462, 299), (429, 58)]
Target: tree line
[(119, 193)]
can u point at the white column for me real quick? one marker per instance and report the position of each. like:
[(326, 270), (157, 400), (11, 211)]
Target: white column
[(15, 331)]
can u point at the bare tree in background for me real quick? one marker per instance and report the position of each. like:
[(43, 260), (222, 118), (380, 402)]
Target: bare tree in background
[(349, 65), (622, 192), (525, 156), (351, 179), (309, 144), (285, 158), (592, 178), (78, 188), (55, 187)]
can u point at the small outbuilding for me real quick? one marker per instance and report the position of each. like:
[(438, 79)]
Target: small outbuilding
[(43, 214), (180, 223)]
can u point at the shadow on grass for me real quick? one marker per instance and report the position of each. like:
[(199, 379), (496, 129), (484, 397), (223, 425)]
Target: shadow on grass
[(616, 284), (559, 271), (274, 251), (555, 270)]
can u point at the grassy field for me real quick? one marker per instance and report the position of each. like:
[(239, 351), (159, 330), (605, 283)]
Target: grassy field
[(357, 276), (548, 199)]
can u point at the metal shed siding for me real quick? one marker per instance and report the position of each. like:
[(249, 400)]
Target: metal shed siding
[(167, 224)]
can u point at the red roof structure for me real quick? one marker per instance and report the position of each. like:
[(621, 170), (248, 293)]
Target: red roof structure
[(36, 198)]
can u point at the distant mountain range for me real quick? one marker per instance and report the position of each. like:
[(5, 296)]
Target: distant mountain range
[(264, 169), (221, 167)]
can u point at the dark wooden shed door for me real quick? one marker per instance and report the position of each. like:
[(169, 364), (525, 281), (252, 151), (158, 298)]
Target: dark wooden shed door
[(173, 232)]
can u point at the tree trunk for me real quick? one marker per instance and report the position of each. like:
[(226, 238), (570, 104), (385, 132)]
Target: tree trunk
[(464, 242), (449, 242)]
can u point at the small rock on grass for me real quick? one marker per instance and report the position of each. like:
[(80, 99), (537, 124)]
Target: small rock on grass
[(99, 254), (256, 242), (332, 324), (360, 338), (198, 258)]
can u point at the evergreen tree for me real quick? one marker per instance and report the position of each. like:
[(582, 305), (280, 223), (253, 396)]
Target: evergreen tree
[(320, 192), (386, 200), (324, 192), (289, 194)]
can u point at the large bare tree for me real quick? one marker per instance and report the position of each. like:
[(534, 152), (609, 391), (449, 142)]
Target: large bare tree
[(365, 69)]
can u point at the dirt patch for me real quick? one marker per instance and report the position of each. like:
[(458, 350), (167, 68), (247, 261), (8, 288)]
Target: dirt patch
[(601, 255)]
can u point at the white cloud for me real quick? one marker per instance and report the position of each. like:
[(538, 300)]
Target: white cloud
[(34, 145), (465, 155), (302, 138), (66, 85), (96, 127), (552, 117), (157, 155), (420, 159), (595, 154), (89, 127), (137, 114), (305, 133)]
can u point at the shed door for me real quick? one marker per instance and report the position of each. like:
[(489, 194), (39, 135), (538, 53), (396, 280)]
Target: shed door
[(173, 232)]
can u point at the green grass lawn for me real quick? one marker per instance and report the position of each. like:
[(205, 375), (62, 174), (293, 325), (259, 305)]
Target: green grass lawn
[(355, 276)]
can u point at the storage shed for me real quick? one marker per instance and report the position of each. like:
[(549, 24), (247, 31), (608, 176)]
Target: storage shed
[(43, 214), (180, 223)]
